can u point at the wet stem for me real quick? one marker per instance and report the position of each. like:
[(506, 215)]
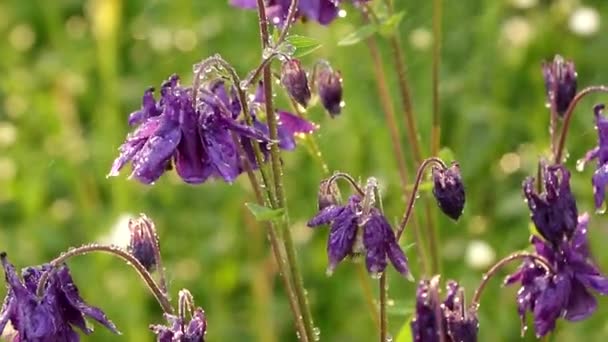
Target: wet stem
[(275, 158), (382, 285)]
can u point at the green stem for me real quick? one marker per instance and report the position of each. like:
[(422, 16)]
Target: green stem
[(277, 171), (382, 283), (436, 128)]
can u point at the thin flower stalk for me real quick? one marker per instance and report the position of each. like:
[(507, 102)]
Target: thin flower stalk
[(436, 126)]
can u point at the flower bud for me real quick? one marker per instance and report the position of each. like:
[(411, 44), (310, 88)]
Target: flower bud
[(560, 83), (329, 84), (144, 245), (328, 194), (294, 79), (449, 190)]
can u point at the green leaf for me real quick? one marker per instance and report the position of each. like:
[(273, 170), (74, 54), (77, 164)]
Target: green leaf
[(405, 333), (390, 25), (360, 34), (262, 213), (447, 155), (303, 45)]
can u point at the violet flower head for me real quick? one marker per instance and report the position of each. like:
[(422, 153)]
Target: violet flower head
[(354, 232), (563, 294), (294, 79), (321, 11), (560, 83), (600, 152), (458, 323), (179, 329), (329, 88), (144, 243), (448, 190), (51, 317), (196, 138), (553, 211)]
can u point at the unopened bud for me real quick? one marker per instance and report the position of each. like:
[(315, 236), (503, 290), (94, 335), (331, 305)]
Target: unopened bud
[(560, 83), (294, 79), (329, 194), (144, 245), (449, 190), (329, 84)]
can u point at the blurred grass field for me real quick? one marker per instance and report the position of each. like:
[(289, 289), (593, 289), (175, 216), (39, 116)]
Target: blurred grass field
[(71, 71)]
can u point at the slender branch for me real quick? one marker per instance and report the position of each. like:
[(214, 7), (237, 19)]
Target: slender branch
[(115, 251), (436, 129), (291, 13), (348, 178), (503, 262), (383, 281), (408, 212), (568, 116), (275, 158)]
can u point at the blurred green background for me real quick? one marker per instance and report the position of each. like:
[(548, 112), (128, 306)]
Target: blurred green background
[(71, 71)]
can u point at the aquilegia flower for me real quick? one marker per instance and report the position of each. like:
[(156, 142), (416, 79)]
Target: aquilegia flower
[(321, 11), (600, 177), (565, 293), (458, 323), (448, 190), (560, 83), (178, 328), (51, 317), (354, 232), (198, 139), (553, 211)]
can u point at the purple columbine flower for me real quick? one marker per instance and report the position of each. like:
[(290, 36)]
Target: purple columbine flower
[(354, 232), (329, 88), (295, 81), (565, 293), (51, 317), (560, 83), (178, 328), (553, 211), (600, 177), (448, 190), (458, 323), (321, 11), (144, 244)]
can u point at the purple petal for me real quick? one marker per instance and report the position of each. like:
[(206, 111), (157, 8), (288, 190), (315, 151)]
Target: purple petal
[(341, 237), (375, 236), (248, 4), (579, 238), (326, 215), (133, 144), (148, 109), (243, 130), (600, 180), (322, 11), (197, 326), (289, 126), (398, 258), (151, 161), (581, 303), (222, 153), (191, 161)]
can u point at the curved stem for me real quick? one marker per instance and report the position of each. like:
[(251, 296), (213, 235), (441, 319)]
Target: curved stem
[(568, 116), (410, 205), (500, 264), (118, 252), (348, 178)]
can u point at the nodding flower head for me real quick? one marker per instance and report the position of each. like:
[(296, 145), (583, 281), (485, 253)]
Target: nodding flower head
[(182, 328), (329, 88), (553, 211), (295, 81), (600, 152), (560, 83), (144, 244), (51, 317), (448, 190), (564, 294), (450, 319), (355, 230), (328, 194)]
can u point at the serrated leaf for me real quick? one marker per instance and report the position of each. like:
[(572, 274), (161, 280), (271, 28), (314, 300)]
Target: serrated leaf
[(390, 25), (303, 45), (405, 333), (262, 213), (360, 34)]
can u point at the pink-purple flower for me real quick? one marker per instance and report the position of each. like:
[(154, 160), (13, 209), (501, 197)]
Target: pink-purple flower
[(54, 315), (321, 11), (560, 83), (180, 328)]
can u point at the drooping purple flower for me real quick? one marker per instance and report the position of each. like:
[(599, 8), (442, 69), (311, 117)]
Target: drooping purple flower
[(329, 88), (321, 11), (198, 141), (448, 190), (178, 328), (144, 244), (600, 177), (295, 81), (458, 323), (51, 317), (354, 232), (565, 293), (560, 82), (553, 211)]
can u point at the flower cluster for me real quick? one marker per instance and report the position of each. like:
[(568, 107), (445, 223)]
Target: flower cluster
[(178, 330), (449, 321), (198, 134)]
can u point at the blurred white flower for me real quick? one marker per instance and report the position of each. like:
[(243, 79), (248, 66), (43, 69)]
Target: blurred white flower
[(479, 254), (118, 234), (584, 21)]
